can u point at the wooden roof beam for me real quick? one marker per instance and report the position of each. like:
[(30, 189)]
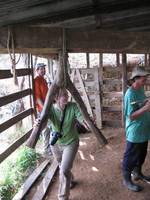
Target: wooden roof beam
[(49, 40)]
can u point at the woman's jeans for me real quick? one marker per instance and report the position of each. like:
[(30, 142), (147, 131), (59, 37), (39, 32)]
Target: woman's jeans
[(65, 155)]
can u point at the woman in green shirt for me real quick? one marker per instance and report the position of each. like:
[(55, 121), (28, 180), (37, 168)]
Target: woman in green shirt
[(66, 146)]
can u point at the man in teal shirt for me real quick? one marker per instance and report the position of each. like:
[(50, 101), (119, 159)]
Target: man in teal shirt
[(137, 127)]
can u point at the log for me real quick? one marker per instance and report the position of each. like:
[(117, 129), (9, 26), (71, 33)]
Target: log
[(31, 142), (59, 80)]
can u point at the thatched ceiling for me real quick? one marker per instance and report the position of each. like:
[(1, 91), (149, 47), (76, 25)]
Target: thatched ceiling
[(131, 15)]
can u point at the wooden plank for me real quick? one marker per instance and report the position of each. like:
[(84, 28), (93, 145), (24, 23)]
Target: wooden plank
[(112, 94), (13, 97), (112, 82), (19, 72), (30, 180), (112, 109), (42, 188), (98, 104), (14, 146), (5, 125), (87, 103), (107, 68), (124, 81), (115, 124)]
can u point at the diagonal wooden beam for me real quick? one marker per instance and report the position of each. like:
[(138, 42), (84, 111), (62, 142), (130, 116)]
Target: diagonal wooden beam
[(58, 82)]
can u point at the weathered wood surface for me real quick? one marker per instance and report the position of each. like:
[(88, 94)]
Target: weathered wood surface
[(36, 40), (48, 102), (13, 97), (30, 180), (101, 139), (63, 79), (43, 187), (19, 72), (14, 146), (15, 119), (85, 97)]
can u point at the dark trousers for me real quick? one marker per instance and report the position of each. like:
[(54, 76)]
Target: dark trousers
[(134, 155)]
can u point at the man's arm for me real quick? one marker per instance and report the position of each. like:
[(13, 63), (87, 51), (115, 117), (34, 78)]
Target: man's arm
[(140, 111)]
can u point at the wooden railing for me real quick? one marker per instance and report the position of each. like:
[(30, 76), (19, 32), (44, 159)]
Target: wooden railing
[(10, 98)]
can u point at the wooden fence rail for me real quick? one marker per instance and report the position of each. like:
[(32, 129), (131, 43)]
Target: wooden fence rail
[(14, 146), (15, 119), (15, 96)]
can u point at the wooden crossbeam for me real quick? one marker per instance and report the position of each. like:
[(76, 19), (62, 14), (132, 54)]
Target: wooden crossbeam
[(15, 119), (36, 40), (19, 72), (13, 97)]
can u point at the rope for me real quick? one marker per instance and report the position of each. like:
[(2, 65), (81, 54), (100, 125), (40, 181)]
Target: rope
[(64, 58), (12, 56)]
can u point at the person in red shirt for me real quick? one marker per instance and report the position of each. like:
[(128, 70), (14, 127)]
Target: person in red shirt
[(41, 89)]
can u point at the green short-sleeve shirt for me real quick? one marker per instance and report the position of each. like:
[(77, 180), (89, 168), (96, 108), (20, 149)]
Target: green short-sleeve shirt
[(138, 130), (69, 131)]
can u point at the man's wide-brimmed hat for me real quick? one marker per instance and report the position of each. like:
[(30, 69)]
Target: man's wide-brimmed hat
[(40, 65), (139, 71)]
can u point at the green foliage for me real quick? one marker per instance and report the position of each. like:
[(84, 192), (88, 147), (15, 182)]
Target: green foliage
[(15, 171)]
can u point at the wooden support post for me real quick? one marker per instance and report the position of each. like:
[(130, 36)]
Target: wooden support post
[(100, 78), (50, 68), (145, 60), (117, 59), (98, 102), (87, 60), (149, 60), (124, 82), (31, 85)]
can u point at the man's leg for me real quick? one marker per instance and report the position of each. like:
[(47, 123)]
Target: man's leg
[(137, 172), (131, 156)]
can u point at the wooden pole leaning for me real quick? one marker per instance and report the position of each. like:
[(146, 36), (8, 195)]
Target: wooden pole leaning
[(75, 94), (57, 83)]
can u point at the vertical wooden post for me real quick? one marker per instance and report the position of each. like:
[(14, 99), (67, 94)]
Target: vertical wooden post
[(98, 102), (117, 59), (148, 60), (145, 60), (50, 68), (100, 78), (124, 82), (31, 85), (87, 60)]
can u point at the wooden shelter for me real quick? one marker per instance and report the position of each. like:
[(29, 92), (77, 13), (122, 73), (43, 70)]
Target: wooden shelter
[(92, 26)]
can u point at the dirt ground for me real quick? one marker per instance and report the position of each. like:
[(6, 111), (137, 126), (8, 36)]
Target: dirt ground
[(98, 171)]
